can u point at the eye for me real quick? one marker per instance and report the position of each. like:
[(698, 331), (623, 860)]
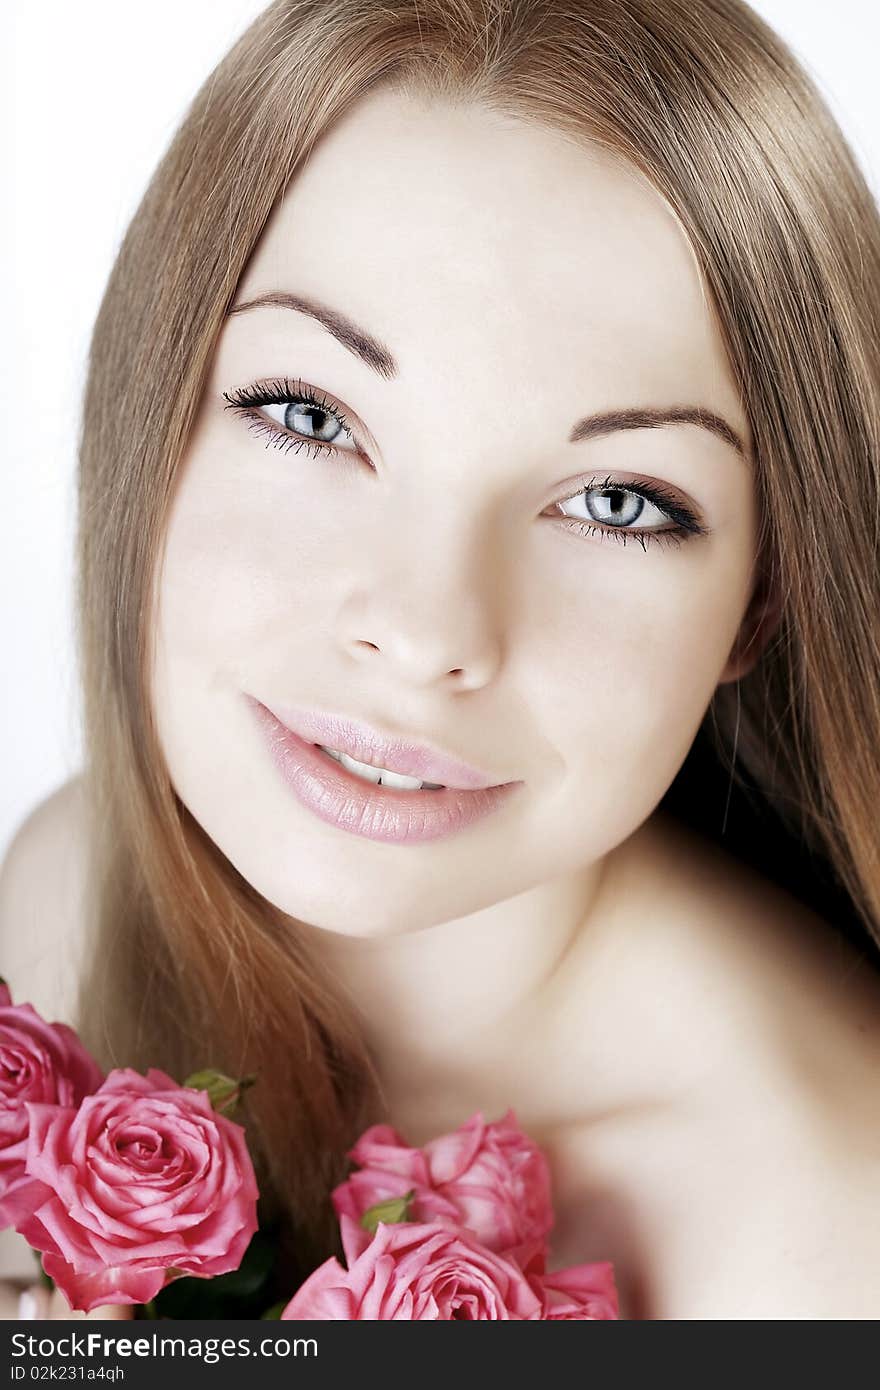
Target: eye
[(615, 505), (303, 417), (612, 508), (293, 415)]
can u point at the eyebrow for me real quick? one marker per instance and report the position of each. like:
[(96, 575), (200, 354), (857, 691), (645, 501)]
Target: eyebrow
[(651, 418), (382, 361), (357, 340)]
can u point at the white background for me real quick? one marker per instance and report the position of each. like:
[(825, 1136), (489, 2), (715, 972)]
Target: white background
[(91, 93)]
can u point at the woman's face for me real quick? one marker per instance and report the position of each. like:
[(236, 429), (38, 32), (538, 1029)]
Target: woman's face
[(465, 567)]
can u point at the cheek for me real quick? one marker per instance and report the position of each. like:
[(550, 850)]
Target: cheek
[(624, 674), (236, 576), (241, 602)]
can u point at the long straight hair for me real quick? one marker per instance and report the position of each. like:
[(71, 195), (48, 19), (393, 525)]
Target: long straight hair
[(189, 965)]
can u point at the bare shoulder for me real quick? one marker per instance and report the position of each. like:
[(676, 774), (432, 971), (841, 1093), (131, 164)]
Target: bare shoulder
[(783, 1216), (42, 879), (42, 885), (809, 996)]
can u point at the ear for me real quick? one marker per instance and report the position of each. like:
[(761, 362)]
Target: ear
[(760, 621)]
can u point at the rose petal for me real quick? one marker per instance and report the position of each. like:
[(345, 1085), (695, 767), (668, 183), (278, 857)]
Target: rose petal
[(113, 1285)]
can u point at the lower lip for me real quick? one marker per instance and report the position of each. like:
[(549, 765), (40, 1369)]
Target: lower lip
[(391, 814)]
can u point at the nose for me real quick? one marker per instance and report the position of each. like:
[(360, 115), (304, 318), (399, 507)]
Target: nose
[(426, 619)]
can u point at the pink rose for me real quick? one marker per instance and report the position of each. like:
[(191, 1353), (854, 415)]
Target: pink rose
[(583, 1291), (579, 1293), (490, 1178), (415, 1271), (39, 1062), (145, 1177)]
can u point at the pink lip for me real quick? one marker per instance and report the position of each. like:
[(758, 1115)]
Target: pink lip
[(368, 746), (391, 814)]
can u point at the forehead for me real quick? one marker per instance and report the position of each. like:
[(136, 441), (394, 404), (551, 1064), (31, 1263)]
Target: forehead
[(473, 242)]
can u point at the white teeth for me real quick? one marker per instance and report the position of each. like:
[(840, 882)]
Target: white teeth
[(397, 779), (374, 774), (365, 770)]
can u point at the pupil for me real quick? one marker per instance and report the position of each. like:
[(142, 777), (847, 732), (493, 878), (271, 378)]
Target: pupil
[(614, 493), (313, 410), (620, 505)]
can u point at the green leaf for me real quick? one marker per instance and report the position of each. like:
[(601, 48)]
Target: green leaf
[(45, 1279), (241, 1293), (223, 1091), (275, 1311), (390, 1211)]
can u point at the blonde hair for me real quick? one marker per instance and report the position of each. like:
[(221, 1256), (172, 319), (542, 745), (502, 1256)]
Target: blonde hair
[(190, 966)]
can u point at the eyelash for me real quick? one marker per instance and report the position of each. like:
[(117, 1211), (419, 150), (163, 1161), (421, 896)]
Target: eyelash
[(282, 391), (245, 401), (686, 523)]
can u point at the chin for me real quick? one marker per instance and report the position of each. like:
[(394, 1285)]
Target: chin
[(354, 912)]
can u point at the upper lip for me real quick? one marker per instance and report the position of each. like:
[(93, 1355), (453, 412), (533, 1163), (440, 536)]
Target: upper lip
[(368, 745)]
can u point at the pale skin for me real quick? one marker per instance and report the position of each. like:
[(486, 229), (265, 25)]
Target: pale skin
[(692, 1047)]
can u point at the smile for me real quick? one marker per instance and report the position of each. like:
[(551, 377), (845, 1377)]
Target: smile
[(380, 775)]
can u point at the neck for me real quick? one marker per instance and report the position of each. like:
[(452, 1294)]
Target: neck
[(446, 1009)]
